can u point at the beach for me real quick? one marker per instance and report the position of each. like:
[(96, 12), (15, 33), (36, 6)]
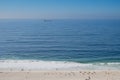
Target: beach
[(56, 70), (61, 75), (59, 39)]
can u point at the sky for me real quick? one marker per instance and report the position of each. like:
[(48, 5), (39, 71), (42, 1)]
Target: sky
[(60, 9)]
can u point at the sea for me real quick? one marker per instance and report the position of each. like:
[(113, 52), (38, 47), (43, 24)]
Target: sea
[(60, 44)]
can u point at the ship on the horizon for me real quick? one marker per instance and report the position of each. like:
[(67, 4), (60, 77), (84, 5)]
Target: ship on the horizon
[(47, 20)]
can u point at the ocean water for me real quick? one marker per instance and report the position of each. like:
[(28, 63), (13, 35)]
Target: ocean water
[(60, 44)]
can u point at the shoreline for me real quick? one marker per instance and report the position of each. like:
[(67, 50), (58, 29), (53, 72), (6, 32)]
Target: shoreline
[(55, 65), (56, 70)]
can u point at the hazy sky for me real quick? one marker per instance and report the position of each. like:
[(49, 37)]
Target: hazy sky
[(60, 9)]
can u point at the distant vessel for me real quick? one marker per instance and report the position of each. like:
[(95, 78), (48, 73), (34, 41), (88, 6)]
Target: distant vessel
[(47, 20)]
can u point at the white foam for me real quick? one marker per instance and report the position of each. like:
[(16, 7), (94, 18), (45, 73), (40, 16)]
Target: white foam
[(53, 65)]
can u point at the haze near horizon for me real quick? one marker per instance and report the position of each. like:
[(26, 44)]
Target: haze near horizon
[(59, 9)]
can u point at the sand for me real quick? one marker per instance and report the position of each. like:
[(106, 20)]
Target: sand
[(60, 75)]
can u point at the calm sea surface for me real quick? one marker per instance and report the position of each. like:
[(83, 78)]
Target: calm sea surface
[(83, 41)]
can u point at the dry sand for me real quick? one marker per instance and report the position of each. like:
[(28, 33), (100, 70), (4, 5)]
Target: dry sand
[(60, 75)]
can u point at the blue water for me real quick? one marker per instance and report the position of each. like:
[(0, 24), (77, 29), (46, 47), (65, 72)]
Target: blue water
[(84, 41)]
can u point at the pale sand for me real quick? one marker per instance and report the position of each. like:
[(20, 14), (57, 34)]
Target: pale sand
[(60, 75)]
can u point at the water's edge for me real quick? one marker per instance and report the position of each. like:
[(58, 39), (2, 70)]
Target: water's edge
[(56, 65)]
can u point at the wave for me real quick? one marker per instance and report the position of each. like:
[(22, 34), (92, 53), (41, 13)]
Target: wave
[(56, 65)]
